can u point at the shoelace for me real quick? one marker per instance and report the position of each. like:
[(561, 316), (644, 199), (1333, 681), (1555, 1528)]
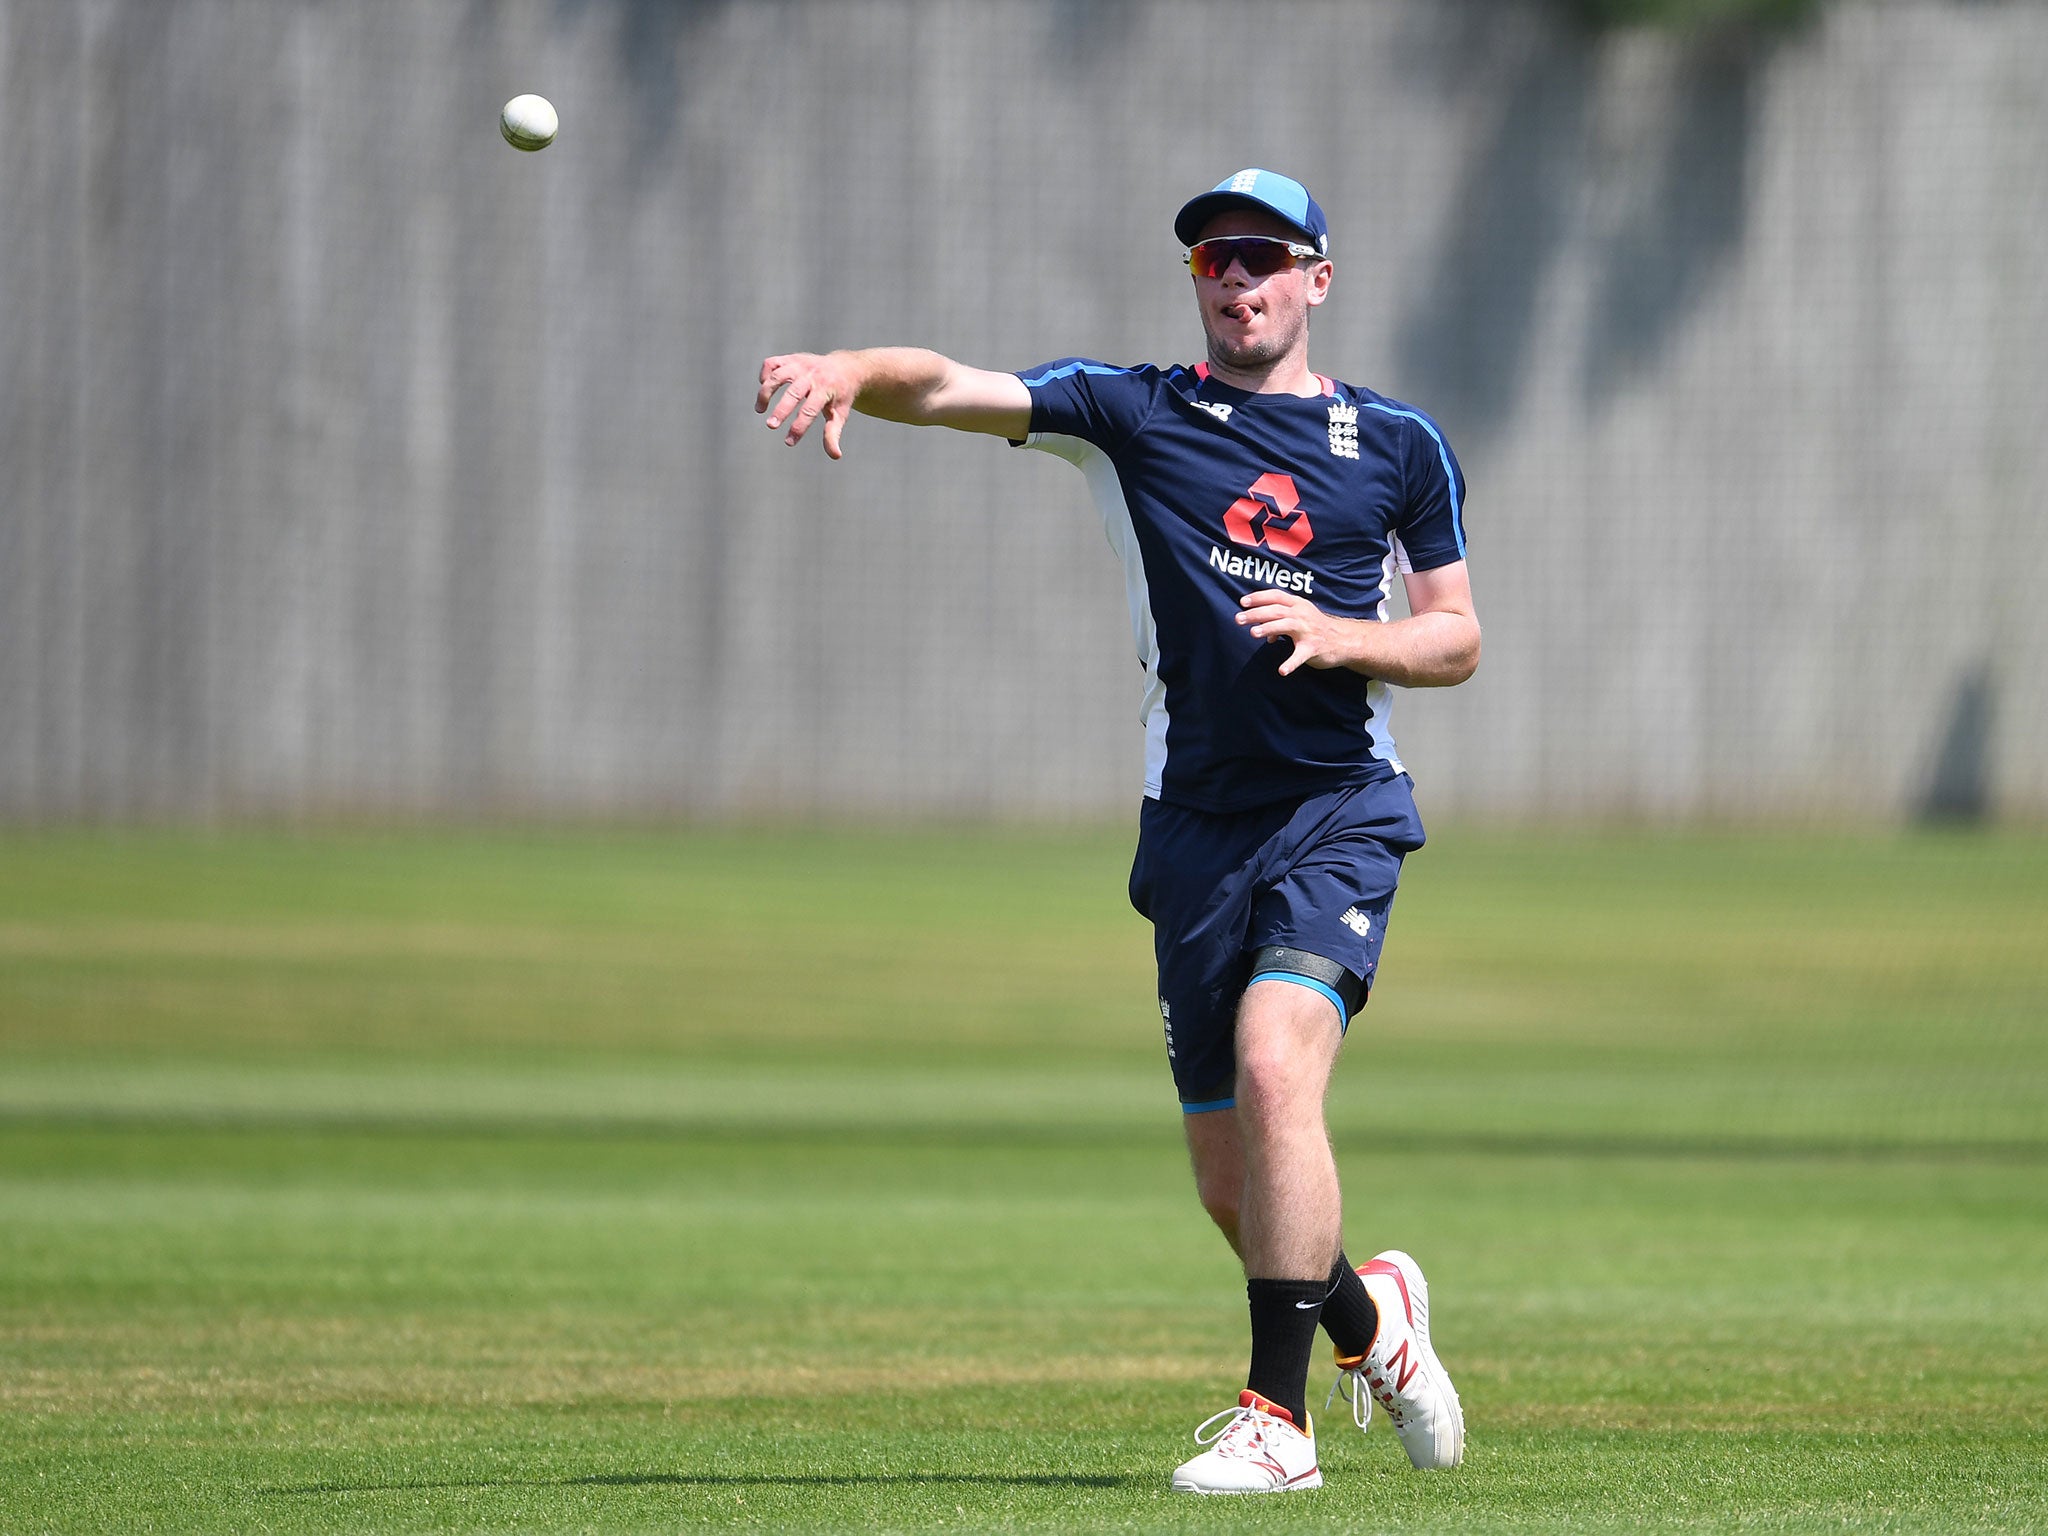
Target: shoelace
[(1226, 1438), (1376, 1383), (1350, 1386)]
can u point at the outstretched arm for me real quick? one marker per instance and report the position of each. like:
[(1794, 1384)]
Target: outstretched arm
[(1436, 646), (905, 384)]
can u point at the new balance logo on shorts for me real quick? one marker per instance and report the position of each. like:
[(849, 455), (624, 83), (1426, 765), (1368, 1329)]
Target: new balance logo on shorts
[(1358, 922)]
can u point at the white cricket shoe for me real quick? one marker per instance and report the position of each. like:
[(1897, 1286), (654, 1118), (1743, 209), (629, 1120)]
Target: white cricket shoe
[(1401, 1371), (1257, 1449)]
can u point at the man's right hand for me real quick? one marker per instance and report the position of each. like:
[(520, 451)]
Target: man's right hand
[(812, 386), (906, 384)]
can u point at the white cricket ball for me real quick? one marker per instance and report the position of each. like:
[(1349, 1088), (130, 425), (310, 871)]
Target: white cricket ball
[(529, 122)]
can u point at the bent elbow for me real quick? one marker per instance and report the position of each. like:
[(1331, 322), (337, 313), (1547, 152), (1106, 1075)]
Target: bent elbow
[(1466, 662)]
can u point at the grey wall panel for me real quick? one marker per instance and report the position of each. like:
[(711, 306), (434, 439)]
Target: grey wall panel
[(352, 463)]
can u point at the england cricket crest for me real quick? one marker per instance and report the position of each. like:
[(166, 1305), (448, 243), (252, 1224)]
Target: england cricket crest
[(1343, 430)]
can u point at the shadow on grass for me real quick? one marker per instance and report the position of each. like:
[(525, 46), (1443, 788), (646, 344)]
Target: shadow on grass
[(761, 1480)]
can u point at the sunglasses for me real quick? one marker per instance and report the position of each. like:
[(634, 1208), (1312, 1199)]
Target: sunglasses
[(1260, 255)]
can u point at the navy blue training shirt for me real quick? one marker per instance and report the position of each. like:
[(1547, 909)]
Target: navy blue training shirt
[(1208, 492)]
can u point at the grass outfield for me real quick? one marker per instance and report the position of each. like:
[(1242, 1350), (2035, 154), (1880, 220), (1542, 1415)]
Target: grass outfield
[(615, 1183)]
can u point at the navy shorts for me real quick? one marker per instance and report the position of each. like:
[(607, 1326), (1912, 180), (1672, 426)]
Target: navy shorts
[(1315, 875)]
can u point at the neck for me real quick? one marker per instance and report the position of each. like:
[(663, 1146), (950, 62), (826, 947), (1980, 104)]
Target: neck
[(1289, 375)]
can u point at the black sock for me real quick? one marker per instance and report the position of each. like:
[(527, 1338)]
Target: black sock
[(1284, 1314), (1349, 1317)]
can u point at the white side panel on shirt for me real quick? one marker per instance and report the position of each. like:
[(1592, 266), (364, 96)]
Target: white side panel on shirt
[(1115, 512), (1379, 700)]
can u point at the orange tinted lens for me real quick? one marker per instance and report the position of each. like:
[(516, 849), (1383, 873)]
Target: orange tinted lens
[(1260, 257)]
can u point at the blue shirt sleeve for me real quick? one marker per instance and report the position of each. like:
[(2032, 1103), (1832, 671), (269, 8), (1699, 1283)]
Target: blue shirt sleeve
[(1096, 402), (1432, 525)]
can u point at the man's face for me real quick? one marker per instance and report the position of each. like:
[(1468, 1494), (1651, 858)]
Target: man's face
[(1255, 322)]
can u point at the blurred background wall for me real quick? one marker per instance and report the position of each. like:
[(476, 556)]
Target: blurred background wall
[(353, 463)]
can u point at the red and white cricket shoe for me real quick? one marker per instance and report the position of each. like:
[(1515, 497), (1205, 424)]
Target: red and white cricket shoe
[(1401, 1371), (1255, 1449)]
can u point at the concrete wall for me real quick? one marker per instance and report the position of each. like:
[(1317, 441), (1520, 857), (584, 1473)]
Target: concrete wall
[(354, 463)]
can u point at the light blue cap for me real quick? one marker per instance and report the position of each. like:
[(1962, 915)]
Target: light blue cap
[(1267, 190)]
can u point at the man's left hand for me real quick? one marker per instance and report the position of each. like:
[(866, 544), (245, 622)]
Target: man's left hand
[(1319, 638)]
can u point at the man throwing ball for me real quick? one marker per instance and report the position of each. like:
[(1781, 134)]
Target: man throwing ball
[(1261, 512)]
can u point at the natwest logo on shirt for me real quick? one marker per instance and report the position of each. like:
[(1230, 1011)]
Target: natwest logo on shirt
[(1270, 513)]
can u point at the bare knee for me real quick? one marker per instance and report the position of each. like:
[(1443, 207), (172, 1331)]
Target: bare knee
[(1266, 1069), (1287, 1039), (1277, 1085), (1221, 1198)]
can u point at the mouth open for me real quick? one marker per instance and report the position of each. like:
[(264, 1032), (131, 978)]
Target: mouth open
[(1241, 313)]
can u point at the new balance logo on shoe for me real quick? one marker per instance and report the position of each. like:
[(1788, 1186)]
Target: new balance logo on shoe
[(1400, 1367)]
